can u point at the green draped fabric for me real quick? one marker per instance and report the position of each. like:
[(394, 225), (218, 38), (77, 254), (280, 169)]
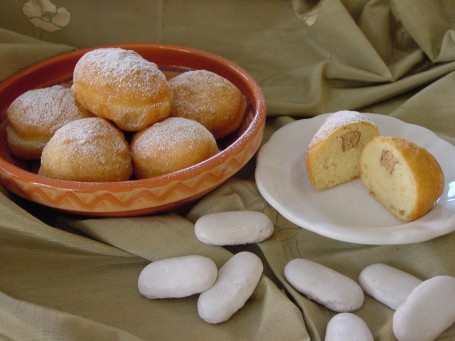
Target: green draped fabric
[(66, 277)]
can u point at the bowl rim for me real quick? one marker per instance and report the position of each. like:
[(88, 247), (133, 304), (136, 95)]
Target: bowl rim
[(256, 124)]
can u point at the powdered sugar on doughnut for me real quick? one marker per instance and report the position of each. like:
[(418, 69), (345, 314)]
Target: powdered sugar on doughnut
[(171, 145), (208, 98), (170, 133), (202, 85), (89, 149), (85, 136), (337, 120), (44, 110), (123, 70), (123, 87)]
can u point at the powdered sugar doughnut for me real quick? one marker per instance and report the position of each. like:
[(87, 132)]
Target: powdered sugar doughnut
[(89, 149), (208, 98), (36, 115), (171, 145), (123, 87)]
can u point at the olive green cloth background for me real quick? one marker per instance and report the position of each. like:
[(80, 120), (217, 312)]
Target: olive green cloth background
[(71, 278)]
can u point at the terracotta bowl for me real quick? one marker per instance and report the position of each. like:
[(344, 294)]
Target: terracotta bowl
[(134, 197)]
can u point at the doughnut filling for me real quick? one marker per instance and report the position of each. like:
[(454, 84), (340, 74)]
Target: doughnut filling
[(209, 99), (36, 115), (171, 145), (89, 149), (123, 87)]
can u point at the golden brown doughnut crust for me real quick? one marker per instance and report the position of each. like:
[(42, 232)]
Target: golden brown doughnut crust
[(34, 117), (426, 173), (171, 145), (89, 149), (210, 99), (123, 87)]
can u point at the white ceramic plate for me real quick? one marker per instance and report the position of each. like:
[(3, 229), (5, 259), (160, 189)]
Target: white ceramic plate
[(347, 212)]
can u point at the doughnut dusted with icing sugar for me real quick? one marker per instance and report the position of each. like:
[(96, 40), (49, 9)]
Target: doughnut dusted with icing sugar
[(89, 149), (34, 116), (333, 154), (404, 177), (171, 145), (210, 99), (123, 87)]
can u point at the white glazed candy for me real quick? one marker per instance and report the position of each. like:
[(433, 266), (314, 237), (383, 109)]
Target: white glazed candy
[(236, 282), (347, 327), (387, 284), (428, 310), (324, 285), (177, 277), (233, 228)]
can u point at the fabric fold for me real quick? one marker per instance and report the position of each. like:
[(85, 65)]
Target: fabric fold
[(18, 52), (431, 24), (26, 321)]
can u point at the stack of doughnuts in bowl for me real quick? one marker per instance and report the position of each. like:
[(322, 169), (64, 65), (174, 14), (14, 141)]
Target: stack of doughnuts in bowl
[(149, 128)]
